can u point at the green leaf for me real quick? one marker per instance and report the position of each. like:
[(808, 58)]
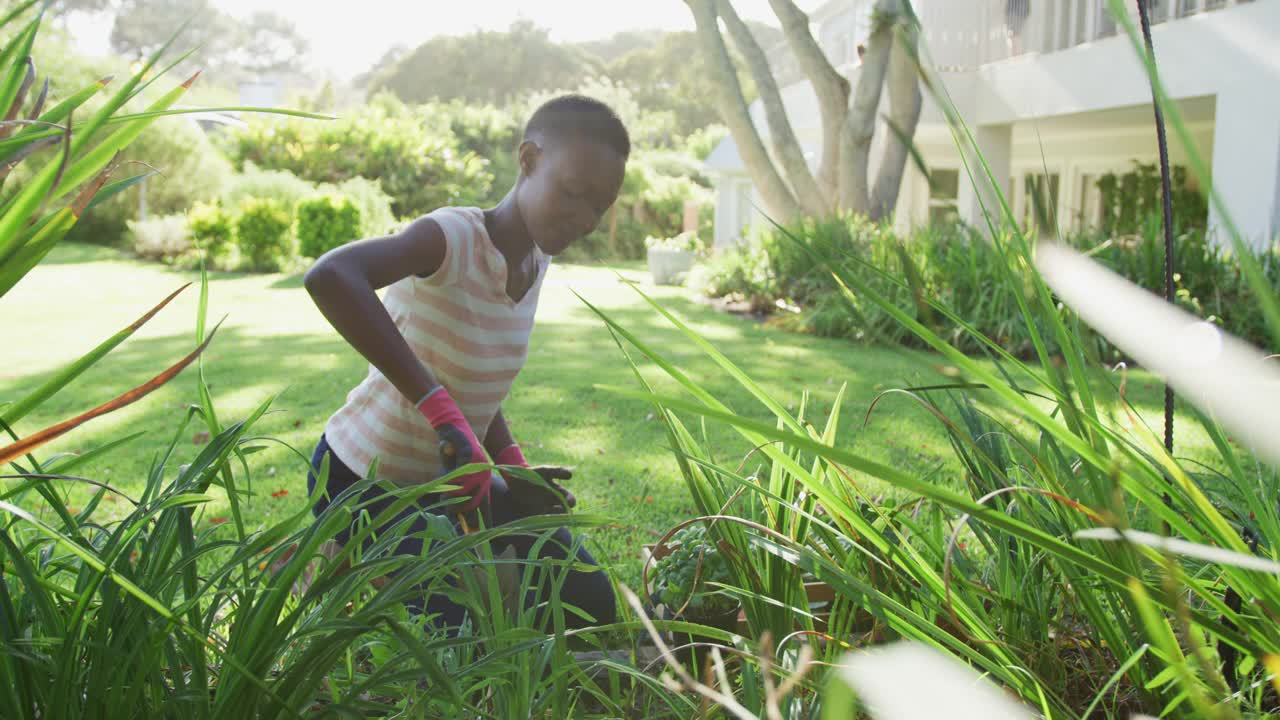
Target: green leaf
[(117, 187)]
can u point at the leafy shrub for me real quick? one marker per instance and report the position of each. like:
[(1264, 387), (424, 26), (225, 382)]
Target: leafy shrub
[(326, 222), (263, 234), (699, 144), (212, 227), (801, 268), (160, 238), (619, 236), (254, 183), (419, 164), (740, 273), (373, 203), (961, 269), (1131, 201), (686, 241), (492, 134)]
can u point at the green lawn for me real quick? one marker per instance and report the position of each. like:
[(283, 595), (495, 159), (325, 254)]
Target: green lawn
[(274, 342)]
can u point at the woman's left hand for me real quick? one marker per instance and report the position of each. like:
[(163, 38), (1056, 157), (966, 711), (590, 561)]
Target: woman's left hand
[(534, 498)]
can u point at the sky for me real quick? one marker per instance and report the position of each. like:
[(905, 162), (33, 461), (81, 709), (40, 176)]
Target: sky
[(347, 38)]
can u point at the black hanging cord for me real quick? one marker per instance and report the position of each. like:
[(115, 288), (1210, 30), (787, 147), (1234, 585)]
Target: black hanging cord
[(1227, 653), (1162, 140)]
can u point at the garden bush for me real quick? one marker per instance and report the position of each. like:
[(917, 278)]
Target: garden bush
[(959, 267), (160, 238), (263, 235), (1131, 201), (491, 133), (740, 274), (699, 144), (418, 164), (376, 217), (255, 183), (213, 228), (686, 241), (325, 222)]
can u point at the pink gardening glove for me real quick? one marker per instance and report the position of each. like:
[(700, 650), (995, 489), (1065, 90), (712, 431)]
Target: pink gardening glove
[(530, 498), (458, 447)]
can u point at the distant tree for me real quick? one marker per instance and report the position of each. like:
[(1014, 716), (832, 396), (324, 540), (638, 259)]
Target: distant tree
[(384, 65), (662, 77), (269, 43), (142, 26), (619, 44), (263, 42), (487, 66)]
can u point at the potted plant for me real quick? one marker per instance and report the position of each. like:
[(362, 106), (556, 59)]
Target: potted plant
[(671, 258), (689, 571)]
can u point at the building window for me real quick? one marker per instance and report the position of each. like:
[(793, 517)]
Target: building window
[(944, 193)]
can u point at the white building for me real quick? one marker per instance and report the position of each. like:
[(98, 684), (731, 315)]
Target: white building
[(1064, 95)]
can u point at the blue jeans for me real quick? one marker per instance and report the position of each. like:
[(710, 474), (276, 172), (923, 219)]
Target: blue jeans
[(589, 591)]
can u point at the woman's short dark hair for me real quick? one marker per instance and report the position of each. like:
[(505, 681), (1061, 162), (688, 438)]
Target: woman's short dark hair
[(578, 116)]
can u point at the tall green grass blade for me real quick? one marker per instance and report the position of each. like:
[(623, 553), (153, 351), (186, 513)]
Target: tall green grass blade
[(93, 161), (945, 496), (16, 58), (50, 387), (64, 108), (48, 233), (89, 559), (256, 109), (18, 11), (118, 187)]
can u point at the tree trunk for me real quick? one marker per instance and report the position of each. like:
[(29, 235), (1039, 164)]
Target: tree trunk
[(905, 100), (831, 87), (786, 148), (860, 125), (732, 107)]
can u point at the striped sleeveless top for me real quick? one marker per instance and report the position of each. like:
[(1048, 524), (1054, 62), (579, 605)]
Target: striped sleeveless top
[(461, 324)]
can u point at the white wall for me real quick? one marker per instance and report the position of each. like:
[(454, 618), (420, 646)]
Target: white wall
[(736, 214)]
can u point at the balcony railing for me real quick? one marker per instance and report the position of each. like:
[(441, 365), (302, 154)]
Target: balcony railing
[(965, 34), (960, 38)]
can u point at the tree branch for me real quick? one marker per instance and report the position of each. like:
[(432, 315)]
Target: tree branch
[(732, 107), (831, 87), (860, 125), (905, 101), (786, 148)]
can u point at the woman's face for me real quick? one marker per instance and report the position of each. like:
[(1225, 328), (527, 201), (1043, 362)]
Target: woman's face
[(567, 186)]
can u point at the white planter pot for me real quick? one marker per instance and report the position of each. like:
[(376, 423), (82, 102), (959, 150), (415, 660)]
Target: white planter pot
[(669, 267)]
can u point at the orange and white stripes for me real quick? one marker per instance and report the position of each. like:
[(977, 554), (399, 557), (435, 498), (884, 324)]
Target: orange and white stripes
[(461, 324)]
